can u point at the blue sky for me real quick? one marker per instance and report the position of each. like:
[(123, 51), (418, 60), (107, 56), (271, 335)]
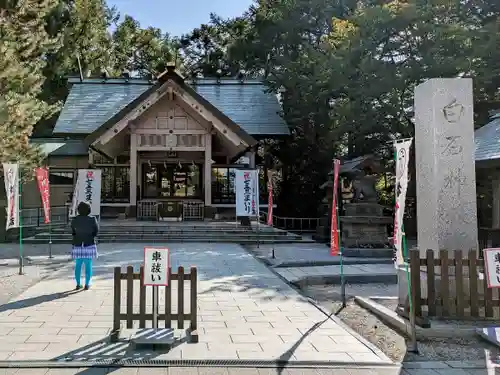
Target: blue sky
[(178, 16)]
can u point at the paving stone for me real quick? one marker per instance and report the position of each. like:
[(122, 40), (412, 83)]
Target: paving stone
[(86, 331), (242, 339), (289, 330), (363, 357), (52, 338), (251, 325), (246, 347), (4, 355), (29, 356), (182, 371), (152, 371), (333, 371), (4, 325), (227, 331), (454, 371), (81, 371), (27, 347), (234, 320), (191, 352), (94, 324), (68, 324), (322, 356), (31, 371), (212, 371), (13, 339), (242, 371), (47, 318), (89, 339)]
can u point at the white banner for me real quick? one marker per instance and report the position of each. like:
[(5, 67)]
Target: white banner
[(11, 177), (87, 189), (401, 186), (247, 192)]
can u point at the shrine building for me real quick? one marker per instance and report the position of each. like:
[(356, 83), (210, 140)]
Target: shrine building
[(166, 148)]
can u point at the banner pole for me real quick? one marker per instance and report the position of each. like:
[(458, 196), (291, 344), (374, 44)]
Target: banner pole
[(50, 238), (257, 191), (21, 260), (341, 248), (413, 333)]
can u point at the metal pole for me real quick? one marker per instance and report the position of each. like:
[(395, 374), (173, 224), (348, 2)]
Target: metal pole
[(19, 212), (155, 307), (50, 237), (413, 327)]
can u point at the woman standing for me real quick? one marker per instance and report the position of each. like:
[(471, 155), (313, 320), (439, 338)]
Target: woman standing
[(84, 228)]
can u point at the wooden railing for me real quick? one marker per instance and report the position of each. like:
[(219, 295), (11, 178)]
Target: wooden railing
[(130, 316), (451, 287)]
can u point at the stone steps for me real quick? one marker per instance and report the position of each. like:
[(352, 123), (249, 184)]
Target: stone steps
[(180, 239)]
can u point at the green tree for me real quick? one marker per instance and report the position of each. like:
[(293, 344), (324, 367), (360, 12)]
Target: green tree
[(142, 51), (206, 51), (24, 45), (83, 29)]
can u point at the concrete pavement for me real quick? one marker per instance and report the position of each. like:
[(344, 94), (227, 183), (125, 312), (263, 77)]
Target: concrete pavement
[(245, 313)]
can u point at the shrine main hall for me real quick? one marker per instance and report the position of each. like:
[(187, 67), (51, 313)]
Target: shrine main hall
[(166, 147)]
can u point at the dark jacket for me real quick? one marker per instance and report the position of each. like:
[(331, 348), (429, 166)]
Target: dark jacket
[(84, 230)]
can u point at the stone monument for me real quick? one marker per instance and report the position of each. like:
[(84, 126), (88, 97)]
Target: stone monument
[(445, 170), (445, 167)]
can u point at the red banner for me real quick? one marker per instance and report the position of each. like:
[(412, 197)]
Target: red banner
[(334, 242), (270, 201), (42, 177)]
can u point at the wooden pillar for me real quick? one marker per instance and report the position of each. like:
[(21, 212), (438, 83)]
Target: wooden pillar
[(496, 201), (251, 156), (207, 175), (133, 175)]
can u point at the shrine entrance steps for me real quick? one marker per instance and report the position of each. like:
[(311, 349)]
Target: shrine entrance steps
[(126, 231)]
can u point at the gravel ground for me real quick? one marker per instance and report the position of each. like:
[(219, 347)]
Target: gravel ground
[(389, 341)]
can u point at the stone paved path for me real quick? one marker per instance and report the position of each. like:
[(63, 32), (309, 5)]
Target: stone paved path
[(250, 371), (245, 312), (296, 274)]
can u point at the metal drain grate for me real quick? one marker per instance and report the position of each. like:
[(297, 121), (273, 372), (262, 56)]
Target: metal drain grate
[(189, 363)]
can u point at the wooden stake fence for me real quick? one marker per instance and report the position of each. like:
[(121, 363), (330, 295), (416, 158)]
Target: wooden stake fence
[(168, 316), (451, 288)]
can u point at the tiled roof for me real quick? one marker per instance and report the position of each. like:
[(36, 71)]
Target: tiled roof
[(61, 147), (487, 139), (92, 103), (247, 104)]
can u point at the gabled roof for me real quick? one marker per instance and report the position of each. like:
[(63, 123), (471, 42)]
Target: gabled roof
[(61, 147), (91, 104), (487, 139), (246, 103), (95, 102)]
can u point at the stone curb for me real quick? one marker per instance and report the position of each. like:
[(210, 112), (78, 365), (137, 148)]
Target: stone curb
[(350, 279), (36, 260), (392, 319), (368, 253), (322, 263), (439, 365)]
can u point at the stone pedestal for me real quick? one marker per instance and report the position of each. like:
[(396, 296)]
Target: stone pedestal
[(364, 225), (445, 167)]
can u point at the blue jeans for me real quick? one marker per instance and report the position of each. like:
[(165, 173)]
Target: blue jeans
[(88, 270)]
